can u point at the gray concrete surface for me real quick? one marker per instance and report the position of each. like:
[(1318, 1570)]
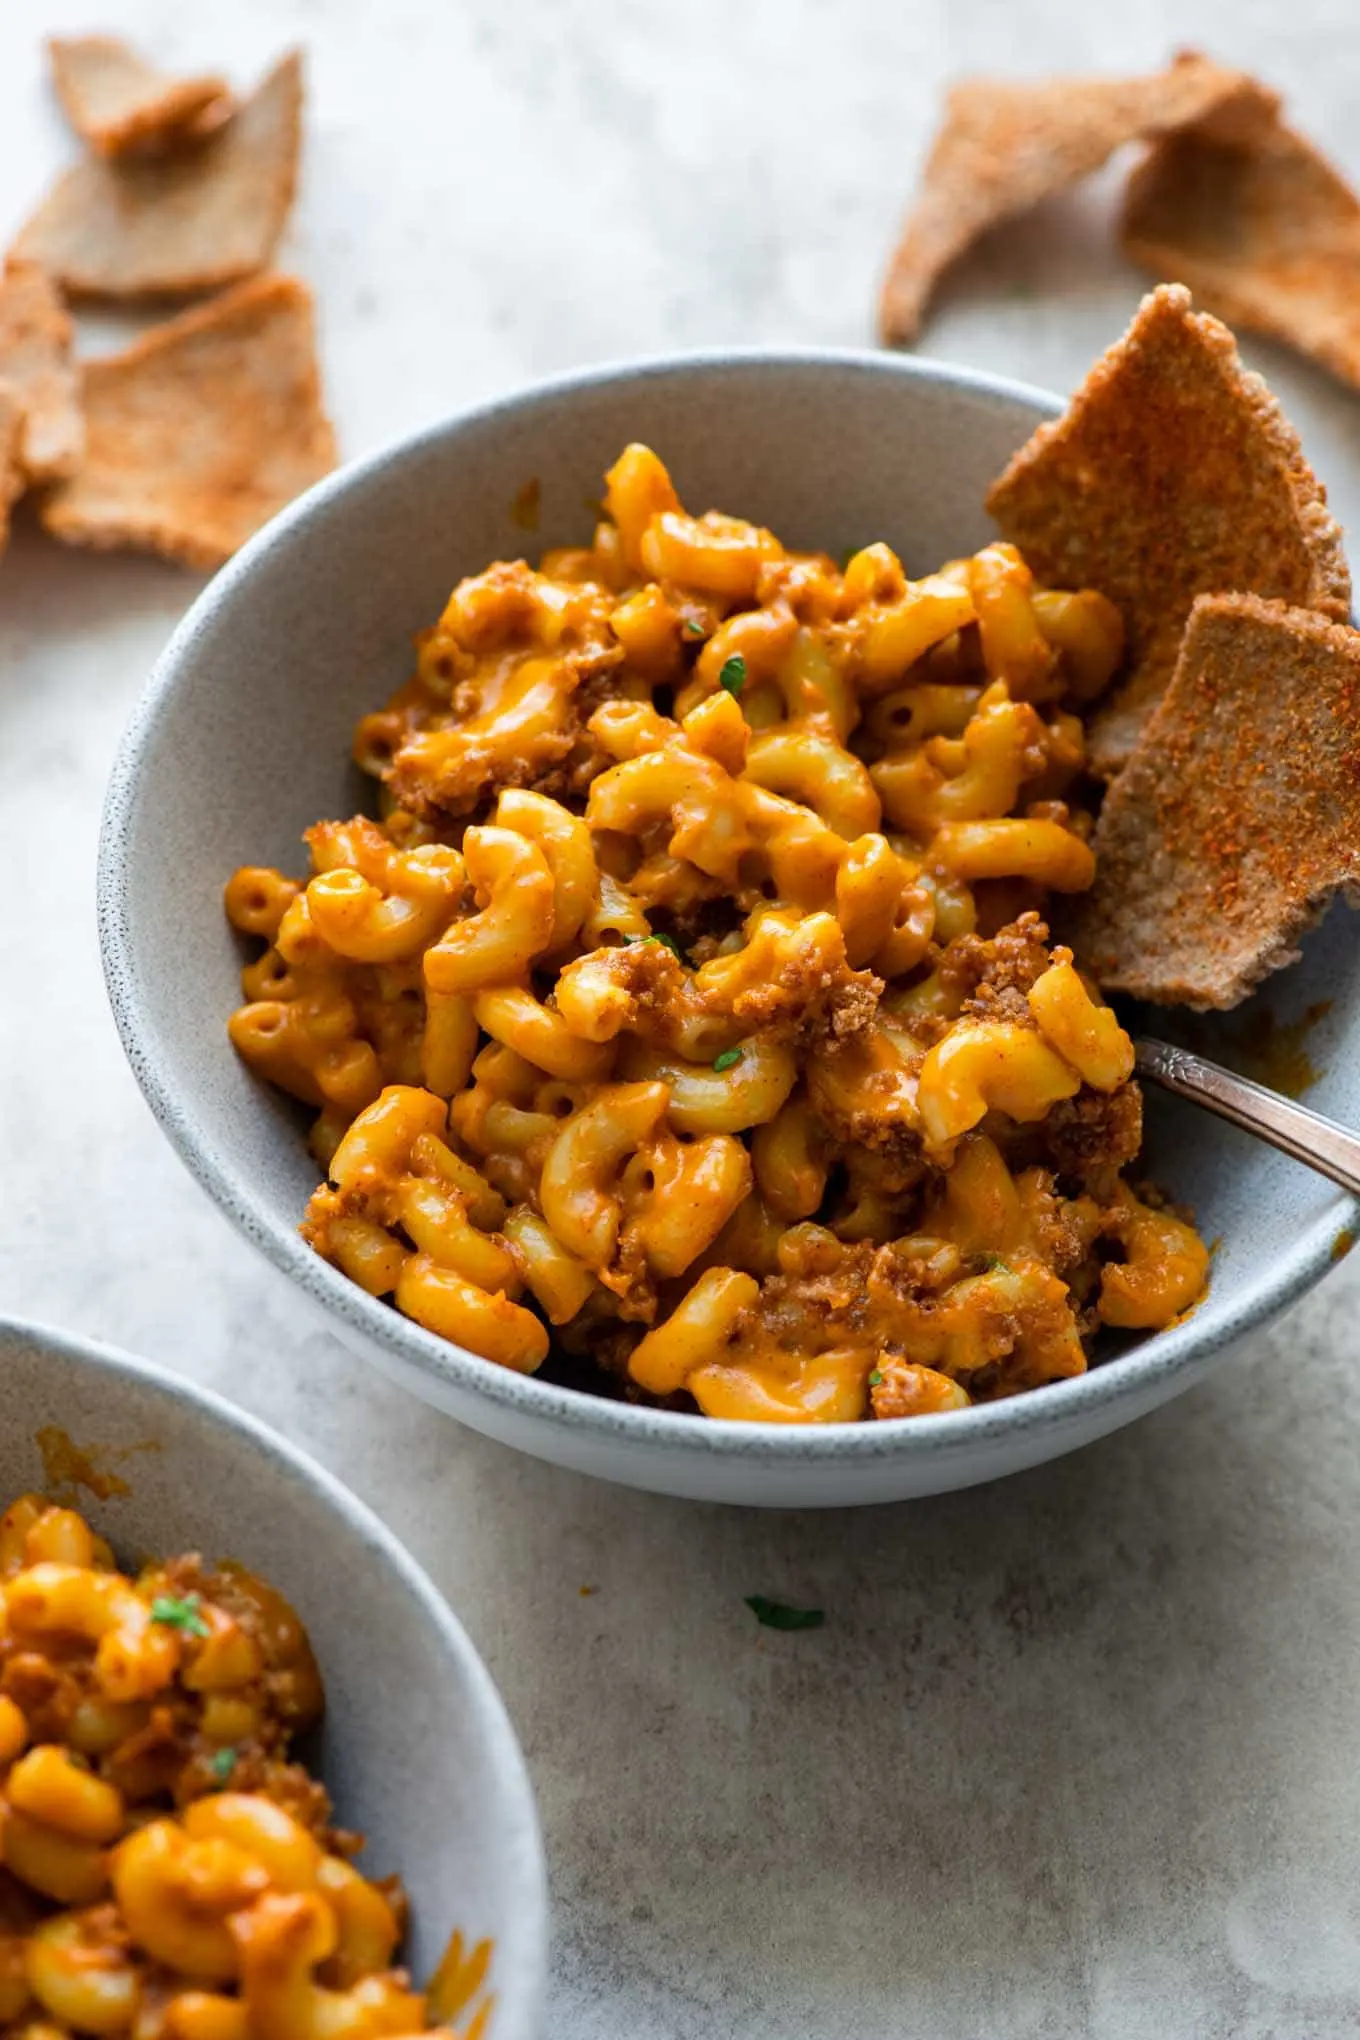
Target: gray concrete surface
[(1073, 1756)]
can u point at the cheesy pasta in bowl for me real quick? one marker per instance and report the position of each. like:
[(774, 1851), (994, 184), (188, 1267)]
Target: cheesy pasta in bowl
[(664, 1054), (692, 1003), (181, 1770)]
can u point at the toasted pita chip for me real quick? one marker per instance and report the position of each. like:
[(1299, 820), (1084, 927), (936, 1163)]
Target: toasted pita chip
[(1173, 473), (1003, 147), (201, 430), (1262, 229), (117, 103), (37, 370), (1237, 819), (11, 474), (166, 226)]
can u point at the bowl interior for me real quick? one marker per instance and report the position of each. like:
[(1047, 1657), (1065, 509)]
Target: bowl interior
[(243, 740), (415, 1747)]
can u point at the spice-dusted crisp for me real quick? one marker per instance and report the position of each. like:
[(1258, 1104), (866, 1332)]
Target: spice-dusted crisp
[(37, 371), (1172, 474), (116, 102), (188, 220), (1003, 147), (1260, 226), (200, 430), (1237, 819)]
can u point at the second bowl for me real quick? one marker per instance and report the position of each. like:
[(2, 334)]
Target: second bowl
[(414, 1747)]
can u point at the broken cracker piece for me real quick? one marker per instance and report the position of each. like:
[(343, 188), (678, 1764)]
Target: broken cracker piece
[(200, 430), (1004, 146), (1173, 473), (36, 368), (1261, 227), (1237, 819), (170, 225), (11, 474), (117, 103)]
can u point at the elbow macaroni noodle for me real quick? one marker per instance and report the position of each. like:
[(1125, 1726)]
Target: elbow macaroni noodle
[(166, 1872), (691, 1009)]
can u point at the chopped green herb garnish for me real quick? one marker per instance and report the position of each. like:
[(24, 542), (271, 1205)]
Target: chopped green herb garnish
[(994, 1261), (875, 1377), (177, 1614), (726, 1060), (733, 674), (222, 1763), (778, 1615), (691, 628), (669, 941)]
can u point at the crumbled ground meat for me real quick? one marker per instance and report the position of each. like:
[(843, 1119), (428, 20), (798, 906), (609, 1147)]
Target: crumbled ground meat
[(807, 1002), (864, 1100), (630, 1281), (290, 1786), (904, 1389), (430, 783), (985, 969), (869, 1127), (811, 1007), (1095, 1134), (1000, 1002), (1064, 1229), (650, 973), (46, 1694), (811, 1310), (376, 1201), (596, 1334), (292, 1680), (848, 1008)]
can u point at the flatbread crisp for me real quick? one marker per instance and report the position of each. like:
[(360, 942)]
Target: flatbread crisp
[(190, 220), (1172, 474), (1261, 227), (116, 102), (11, 474), (1237, 819), (37, 371), (200, 430), (1004, 146)]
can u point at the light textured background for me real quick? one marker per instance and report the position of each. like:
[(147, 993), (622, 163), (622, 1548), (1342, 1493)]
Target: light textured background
[(1073, 1756)]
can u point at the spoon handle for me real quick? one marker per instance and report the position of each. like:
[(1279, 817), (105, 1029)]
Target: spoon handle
[(1320, 1143)]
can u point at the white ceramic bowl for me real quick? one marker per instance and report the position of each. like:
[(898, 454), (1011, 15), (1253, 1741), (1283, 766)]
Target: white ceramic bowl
[(415, 1746), (242, 740)]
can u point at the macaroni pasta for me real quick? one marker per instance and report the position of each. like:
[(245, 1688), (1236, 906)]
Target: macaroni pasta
[(167, 1871), (691, 1007)]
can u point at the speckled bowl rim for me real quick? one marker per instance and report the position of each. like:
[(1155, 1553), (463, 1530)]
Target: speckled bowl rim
[(1138, 1374), (521, 1996)]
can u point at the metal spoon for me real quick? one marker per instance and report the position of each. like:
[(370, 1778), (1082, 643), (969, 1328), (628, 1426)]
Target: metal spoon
[(1320, 1143)]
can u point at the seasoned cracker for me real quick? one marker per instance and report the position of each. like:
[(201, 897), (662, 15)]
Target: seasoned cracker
[(117, 103), (200, 430), (190, 220), (1237, 819), (1173, 473), (37, 370), (1261, 227), (11, 473), (1004, 146)]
